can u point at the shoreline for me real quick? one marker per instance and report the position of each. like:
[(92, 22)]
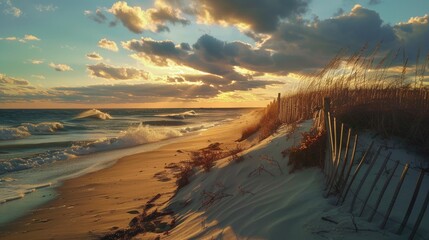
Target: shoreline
[(93, 204)]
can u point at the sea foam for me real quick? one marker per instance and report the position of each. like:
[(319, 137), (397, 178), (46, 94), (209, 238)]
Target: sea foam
[(28, 129), (131, 137)]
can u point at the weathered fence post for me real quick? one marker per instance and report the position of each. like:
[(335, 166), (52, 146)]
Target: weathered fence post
[(331, 134), (380, 171), (413, 200), (346, 154), (420, 217), (395, 195), (362, 181), (326, 109), (383, 190), (357, 171), (342, 188), (337, 162)]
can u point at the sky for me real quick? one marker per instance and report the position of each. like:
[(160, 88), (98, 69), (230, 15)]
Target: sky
[(186, 53)]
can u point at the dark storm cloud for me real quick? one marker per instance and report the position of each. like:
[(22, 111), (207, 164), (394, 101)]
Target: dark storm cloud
[(296, 45), (210, 55), (351, 30), (313, 44), (414, 35), (217, 57), (261, 16), (156, 51), (149, 46)]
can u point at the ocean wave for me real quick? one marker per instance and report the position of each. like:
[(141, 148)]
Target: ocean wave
[(182, 115), (20, 191), (132, 137), (28, 129), (129, 138), (18, 164), (165, 123), (94, 113)]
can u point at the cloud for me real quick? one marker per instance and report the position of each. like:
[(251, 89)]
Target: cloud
[(313, 44), (10, 39), (351, 30), (26, 38), (413, 35), (29, 37), (46, 8), (138, 20), (108, 44), (166, 14), (60, 67), (20, 90), (299, 45), (133, 18), (296, 46), (98, 16), (224, 84), (146, 92), (38, 76), (94, 56), (36, 62), (6, 80), (210, 55), (260, 16), (11, 9), (156, 51), (105, 71)]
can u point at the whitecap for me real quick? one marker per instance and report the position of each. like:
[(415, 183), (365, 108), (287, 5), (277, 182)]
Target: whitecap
[(94, 113)]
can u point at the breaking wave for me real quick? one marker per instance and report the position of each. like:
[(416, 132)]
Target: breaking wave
[(28, 129), (182, 115), (129, 138), (94, 113)]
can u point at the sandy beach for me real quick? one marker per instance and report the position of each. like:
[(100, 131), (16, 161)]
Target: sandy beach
[(105, 200)]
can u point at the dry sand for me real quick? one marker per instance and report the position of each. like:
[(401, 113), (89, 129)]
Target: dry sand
[(101, 201)]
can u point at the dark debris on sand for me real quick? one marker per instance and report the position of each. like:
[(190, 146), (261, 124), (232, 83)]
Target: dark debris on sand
[(149, 221)]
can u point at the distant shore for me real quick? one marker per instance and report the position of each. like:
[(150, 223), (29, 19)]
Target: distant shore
[(96, 203)]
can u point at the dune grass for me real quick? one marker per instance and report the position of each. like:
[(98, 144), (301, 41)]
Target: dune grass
[(267, 124), (368, 90)]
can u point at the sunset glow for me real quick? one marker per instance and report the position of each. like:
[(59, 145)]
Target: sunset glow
[(161, 53)]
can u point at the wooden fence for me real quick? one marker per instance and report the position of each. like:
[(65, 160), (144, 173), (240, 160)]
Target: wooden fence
[(353, 177), (345, 170)]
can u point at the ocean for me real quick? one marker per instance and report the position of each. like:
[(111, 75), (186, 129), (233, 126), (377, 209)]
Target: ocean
[(41, 148)]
